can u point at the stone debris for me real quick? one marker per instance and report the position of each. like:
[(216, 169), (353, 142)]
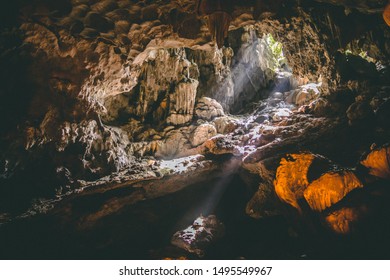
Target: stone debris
[(200, 235)]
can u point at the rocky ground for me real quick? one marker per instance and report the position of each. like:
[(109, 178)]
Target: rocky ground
[(120, 102)]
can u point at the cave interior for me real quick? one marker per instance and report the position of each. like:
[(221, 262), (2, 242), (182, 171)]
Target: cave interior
[(195, 129)]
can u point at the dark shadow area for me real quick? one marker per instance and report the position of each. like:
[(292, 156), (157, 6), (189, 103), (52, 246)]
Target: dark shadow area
[(143, 230)]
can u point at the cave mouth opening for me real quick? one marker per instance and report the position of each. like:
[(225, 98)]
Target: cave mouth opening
[(259, 71)]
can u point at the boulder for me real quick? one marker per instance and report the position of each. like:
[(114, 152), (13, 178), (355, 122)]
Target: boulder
[(281, 114), (198, 236), (330, 188), (208, 108), (119, 14), (378, 162), (89, 33), (225, 124), (76, 27), (304, 94), (202, 133), (171, 146), (291, 178), (220, 144), (295, 173)]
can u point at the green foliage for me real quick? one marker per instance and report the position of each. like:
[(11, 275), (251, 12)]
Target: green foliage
[(277, 51), (363, 54)]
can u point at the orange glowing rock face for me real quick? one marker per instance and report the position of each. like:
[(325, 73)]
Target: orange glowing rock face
[(386, 14), (291, 178), (341, 221), (330, 188), (378, 162)]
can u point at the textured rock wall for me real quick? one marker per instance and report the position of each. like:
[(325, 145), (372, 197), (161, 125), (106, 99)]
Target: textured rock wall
[(93, 87)]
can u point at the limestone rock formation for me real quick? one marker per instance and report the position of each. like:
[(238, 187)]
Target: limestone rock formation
[(378, 162), (202, 133), (208, 109), (182, 103), (263, 203), (312, 180), (201, 234), (105, 104), (292, 178), (344, 220), (225, 124), (386, 14), (330, 188), (219, 17), (304, 94)]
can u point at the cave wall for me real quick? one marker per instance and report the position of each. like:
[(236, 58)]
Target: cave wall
[(91, 87)]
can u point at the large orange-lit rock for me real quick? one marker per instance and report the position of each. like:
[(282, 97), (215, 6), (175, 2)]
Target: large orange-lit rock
[(330, 188), (341, 221), (378, 162), (291, 178), (386, 14)]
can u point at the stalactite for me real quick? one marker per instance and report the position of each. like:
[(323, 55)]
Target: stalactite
[(219, 18), (330, 24), (218, 24)]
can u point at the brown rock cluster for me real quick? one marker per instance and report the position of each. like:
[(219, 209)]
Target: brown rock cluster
[(326, 192)]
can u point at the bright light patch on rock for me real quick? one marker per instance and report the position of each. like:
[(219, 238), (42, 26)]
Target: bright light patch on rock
[(197, 237), (304, 94), (181, 165)]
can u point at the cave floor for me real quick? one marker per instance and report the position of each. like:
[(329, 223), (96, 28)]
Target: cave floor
[(143, 230)]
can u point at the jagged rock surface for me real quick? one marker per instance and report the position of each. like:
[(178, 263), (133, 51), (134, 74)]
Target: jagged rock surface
[(103, 88)]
